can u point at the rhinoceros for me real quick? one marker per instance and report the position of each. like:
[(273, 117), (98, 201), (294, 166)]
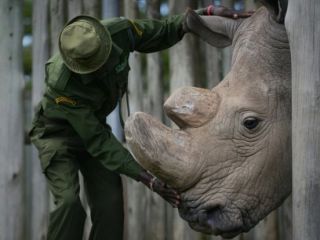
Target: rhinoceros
[(230, 157)]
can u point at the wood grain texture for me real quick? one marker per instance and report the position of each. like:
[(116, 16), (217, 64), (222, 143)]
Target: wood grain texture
[(12, 206), (58, 17), (39, 193), (75, 8), (303, 26)]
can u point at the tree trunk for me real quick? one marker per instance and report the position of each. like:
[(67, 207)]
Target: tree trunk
[(303, 26), (39, 197), (12, 207)]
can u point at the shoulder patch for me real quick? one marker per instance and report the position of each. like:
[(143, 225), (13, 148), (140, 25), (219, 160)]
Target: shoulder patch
[(62, 99)]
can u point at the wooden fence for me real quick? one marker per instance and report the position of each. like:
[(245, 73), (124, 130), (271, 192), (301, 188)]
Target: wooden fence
[(24, 198)]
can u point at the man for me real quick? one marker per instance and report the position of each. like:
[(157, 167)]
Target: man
[(84, 82)]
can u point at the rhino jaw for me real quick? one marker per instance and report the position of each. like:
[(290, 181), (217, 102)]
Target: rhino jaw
[(165, 152), (214, 219)]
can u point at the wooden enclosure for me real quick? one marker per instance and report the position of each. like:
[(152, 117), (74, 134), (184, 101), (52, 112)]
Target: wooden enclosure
[(24, 198)]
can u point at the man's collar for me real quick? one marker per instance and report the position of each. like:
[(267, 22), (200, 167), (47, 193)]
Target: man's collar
[(112, 61)]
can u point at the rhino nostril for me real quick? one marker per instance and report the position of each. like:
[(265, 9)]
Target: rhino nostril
[(212, 211), (212, 216)]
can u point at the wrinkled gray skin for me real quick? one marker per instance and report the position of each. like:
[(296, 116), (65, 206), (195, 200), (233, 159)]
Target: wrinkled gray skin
[(230, 159)]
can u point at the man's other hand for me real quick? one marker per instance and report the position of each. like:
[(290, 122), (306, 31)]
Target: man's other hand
[(156, 185), (223, 12)]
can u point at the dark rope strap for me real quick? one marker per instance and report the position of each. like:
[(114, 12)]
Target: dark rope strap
[(120, 109)]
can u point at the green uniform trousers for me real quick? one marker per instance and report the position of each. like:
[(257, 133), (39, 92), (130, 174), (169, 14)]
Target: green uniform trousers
[(62, 156)]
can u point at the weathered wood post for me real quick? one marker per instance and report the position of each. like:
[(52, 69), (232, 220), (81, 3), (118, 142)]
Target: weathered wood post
[(75, 8), (40, 52), (12, 206), (227, 52), (135, 192), (155, 205), (212, 61), (57, 15), (182, 73), (303, 26)]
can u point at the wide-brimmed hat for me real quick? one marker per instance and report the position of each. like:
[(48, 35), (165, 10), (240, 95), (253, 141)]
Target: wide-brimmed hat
[(84, 44)]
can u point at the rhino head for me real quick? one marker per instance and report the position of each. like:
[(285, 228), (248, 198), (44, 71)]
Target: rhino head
[(231, 156)]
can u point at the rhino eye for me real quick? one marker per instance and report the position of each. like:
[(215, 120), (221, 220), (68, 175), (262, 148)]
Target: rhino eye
[(251, 122)]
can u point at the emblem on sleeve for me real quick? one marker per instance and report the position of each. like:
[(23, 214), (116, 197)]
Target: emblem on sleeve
[(67, 100)]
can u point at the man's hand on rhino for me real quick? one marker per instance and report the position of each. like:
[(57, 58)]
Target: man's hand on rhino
[(156, 185), (223, 12)]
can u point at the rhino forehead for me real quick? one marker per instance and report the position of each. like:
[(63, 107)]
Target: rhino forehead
[(261, 49)]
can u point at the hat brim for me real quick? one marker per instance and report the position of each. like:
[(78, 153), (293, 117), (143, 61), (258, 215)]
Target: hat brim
[(93, 63)]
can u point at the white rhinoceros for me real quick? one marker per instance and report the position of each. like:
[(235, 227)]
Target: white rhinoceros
[(231, 156)]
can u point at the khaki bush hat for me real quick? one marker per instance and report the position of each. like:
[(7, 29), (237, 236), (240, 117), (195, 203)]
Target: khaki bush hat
[(84, 44)]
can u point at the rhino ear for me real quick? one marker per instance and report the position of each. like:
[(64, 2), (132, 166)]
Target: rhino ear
[(217, 31), (277, 7)]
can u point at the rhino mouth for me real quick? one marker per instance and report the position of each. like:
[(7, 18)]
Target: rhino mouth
[(215, 219)]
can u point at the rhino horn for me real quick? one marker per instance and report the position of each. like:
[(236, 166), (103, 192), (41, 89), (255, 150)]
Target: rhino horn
[(167, 153), (192, 107)]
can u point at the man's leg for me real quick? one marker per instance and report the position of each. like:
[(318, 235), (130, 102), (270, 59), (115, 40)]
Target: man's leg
[(67, 220), (104, 193)]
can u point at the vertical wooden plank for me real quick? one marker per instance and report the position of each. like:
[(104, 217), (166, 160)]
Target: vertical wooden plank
[(75, 8), (92, 8), (212, 61), (303, 26), (40, 197), (182, 73), (135, 75), (155, 204), (181, 61), (154, 70), (57, 20), (136, 192), (110, 8), (11, 122), (227, 52)]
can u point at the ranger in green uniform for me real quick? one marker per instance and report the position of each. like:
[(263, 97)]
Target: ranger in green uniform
[(84, 83)]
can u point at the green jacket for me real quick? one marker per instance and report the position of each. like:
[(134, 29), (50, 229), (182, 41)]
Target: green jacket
[(84, 101)]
